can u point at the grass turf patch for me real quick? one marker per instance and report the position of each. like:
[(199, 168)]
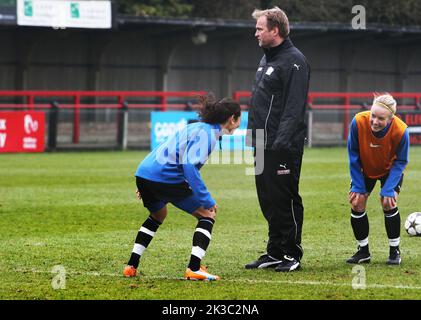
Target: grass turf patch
[(79, 211)]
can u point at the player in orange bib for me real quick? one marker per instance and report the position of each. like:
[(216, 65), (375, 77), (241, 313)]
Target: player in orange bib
[(378, 149)]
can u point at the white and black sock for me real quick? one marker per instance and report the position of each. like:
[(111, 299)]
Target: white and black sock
[(392, 222), (201, 240), (143, 238), (360, 226)]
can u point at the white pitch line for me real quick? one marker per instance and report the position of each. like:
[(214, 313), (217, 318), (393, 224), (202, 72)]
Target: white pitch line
[(250, 281)]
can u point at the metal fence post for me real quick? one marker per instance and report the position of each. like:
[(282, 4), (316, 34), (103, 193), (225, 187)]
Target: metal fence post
[(52, 126), (122, 126)]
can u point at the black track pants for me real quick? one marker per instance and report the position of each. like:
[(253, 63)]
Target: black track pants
[(280, 202)]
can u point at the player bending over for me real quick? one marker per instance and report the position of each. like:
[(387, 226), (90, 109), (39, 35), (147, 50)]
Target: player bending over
[(170, 174), (378, 148)]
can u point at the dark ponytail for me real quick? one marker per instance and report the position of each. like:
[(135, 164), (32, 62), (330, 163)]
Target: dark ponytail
[(218, 112)]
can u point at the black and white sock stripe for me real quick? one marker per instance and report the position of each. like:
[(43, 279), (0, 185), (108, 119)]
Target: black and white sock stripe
[(201, 239)]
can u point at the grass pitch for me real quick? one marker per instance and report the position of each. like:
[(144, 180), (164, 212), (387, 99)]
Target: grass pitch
[(68, 222)]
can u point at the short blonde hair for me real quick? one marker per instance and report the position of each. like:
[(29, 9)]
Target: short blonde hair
[(275, 18), (385, 100)]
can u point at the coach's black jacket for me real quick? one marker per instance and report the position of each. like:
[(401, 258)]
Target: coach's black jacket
[(279, 99)]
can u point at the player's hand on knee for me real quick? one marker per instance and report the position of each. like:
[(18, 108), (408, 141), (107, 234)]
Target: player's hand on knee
[(351, 197), (355, 198), (214, 208), (389, 203), (205, 213), (358, 200), (211, 213)]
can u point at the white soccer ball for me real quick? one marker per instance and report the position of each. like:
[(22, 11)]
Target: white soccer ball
[(413, 224)]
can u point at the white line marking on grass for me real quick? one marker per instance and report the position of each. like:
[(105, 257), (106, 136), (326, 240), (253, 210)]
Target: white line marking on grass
[(250, 281)]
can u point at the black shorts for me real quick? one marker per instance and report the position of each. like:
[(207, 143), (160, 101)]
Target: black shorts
[(370, 183), (155, 195)]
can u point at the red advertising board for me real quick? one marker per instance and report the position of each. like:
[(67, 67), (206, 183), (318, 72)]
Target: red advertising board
[(413, 120), (22, 131)]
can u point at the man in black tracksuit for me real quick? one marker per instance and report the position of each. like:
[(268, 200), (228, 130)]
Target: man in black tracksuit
[(276, 124)]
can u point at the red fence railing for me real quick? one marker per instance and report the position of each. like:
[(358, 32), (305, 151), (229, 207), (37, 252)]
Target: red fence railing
[(316, 101), (347, 101), (119, 97)]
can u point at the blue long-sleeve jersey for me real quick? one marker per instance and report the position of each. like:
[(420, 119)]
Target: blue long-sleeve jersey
[(180, 158), (402, 158)]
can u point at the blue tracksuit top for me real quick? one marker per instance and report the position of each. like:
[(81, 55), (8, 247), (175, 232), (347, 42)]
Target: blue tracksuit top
[(180, 158), (402, 159)]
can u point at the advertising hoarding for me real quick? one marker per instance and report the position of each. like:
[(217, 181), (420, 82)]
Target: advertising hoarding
[(22, 131), (165, 124)]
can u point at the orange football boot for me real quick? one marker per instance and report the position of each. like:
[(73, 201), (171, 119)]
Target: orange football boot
[(129, 271), (201, 274)]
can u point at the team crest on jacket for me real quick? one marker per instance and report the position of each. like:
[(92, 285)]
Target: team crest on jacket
[(269, 71)]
